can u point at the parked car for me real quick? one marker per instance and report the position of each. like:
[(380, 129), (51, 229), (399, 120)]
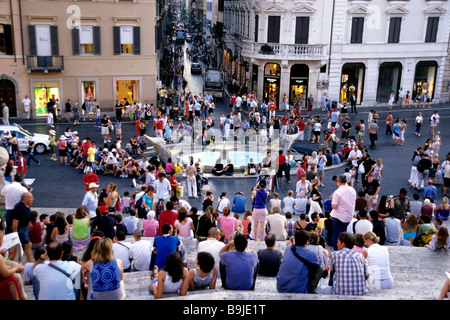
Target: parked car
[(196, 68), (41, 141)]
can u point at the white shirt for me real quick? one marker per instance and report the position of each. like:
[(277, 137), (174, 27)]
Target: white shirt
[(277, 224), (141, 252), (288, 204), (121, 250), (131, 223), (91, 202), (54, 285), (355, 156), (212, 246), (363, 226), (162, 189), (300, 205), (223, 203), (13, 194)]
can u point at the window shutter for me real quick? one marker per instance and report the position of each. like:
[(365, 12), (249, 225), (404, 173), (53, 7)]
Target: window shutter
[(54, 40), (32, 40), (97, 43), (256, 27), (394, 30), (432, 27), (76, 41), (116, 38), (302, 30), (357, 30), (137, 40), (273, 30)]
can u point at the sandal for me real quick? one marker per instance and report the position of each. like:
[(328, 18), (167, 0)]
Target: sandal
[(154, 272)]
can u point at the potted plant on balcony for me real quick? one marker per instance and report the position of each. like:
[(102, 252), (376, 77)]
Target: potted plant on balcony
[(266, 49)]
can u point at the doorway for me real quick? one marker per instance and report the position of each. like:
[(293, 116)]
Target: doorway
[(8, 95)]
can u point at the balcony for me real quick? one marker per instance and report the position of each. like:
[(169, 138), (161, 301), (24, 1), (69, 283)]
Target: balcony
[(284, 51), (46, 63)]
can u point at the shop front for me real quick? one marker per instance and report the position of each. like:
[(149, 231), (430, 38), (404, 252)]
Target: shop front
[(299, 83), (127, 89), (352, 81), (424, 79), (43, 91), (389, 78), (271, 90)]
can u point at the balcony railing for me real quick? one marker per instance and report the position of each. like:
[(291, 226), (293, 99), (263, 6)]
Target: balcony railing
[(284, 51), (45, 63)]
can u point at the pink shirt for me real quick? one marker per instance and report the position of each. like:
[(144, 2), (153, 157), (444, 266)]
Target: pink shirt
[(150, 227), (227, 224), (184, 230), (344, 198)]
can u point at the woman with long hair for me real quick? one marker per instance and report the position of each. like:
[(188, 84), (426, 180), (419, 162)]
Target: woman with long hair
[(106, 272), (61, 231), (259, 195), (410, 227), (205, 222), (184, 224), (113, 197), (441, 240), (174, 277), (81, 230), (378, 260)]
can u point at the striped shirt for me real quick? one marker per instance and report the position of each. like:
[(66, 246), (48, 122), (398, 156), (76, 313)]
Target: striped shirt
[(350, 269)]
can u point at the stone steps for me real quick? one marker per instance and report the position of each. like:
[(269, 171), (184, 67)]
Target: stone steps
[(418, 274)]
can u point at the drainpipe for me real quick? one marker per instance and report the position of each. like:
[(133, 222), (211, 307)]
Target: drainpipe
[(331, 38), (12, 31), (21, 31)]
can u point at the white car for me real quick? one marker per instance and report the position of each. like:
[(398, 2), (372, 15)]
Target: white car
[(41, 141)]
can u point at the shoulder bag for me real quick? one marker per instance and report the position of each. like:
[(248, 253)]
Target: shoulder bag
[(316, 272)]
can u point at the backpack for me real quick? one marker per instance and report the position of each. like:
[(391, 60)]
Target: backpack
[(422, 239), (421, 166), (140, 208)]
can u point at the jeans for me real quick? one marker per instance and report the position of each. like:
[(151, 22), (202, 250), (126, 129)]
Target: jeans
[(31, 157), (338, 228)]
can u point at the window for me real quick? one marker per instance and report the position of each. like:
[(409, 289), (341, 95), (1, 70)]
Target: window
[(43, 40), (86, 40), (127, 40), (357, 30), (432, 27), (273, 29), (394, 30), (302, 30), (6, 44)]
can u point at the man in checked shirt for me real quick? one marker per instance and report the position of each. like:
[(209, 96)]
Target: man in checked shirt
[(348, 268)]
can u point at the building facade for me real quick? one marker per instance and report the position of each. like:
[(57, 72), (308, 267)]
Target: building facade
[(89, 50), (370, 48)]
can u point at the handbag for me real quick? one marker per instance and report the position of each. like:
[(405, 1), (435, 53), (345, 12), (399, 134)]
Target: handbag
[(119, 206), (316, 272), (361, 168)]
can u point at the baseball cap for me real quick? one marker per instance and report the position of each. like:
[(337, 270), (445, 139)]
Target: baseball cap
[(93, 185), (103, 209)]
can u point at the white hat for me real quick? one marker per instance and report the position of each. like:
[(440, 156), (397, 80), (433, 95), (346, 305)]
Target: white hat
[(93, 185), (52, 132), (62, 137)]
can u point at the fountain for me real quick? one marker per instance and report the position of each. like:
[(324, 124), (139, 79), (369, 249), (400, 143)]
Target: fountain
[(238, 151)]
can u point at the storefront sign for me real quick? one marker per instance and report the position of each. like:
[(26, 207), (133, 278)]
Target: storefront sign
[(126, 35), (86, 35)]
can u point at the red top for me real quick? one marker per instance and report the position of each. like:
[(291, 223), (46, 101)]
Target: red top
[(85, 146), (167, 216), (35, 233), (89, 179), (22, 166), (281, 159)]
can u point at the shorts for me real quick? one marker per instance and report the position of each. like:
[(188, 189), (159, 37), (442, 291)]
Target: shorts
[(105, 130), (24, 235), (62, 152), (316, 133), (320, 173), (259, 215), (447, 182)]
